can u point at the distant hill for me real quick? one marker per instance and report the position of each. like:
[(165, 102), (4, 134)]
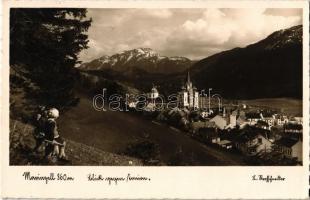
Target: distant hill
[(271, 67), (141, 59)]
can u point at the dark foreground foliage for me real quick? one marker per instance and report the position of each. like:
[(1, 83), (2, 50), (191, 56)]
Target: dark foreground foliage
[(44, 44), (146, 150)]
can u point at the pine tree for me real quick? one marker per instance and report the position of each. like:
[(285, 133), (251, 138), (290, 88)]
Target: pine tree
[(44, 44)]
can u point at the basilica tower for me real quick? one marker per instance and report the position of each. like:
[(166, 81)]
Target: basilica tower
[(189, 96)]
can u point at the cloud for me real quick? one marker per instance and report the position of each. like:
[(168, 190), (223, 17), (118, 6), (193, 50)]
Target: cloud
[(159, 13), (194, 33), (212, 28), (222, 29), (94, 51)]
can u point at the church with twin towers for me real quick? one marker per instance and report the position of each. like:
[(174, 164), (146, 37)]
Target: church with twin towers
[(189, 96)]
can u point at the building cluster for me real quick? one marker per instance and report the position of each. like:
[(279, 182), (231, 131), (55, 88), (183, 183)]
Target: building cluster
[(255, 129), (188, 97), (241, 117), (254, 132)]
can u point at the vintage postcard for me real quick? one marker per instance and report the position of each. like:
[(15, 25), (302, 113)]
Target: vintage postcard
[(155, 99)]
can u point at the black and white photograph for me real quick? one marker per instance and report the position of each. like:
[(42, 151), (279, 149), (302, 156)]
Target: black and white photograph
[(138, 99), (156, 86)]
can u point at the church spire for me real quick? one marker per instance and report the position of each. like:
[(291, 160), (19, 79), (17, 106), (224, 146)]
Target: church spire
[(188, 77)]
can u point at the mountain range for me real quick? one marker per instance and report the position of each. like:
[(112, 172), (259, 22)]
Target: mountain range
[(268, 68), (271, 67), (144, 59)]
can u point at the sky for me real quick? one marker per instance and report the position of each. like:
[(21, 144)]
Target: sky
[(193, 33)]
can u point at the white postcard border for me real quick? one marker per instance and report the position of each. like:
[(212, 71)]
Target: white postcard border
[(166, 182)]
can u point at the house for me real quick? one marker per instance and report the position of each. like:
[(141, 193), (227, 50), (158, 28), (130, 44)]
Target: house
[(241, 122), (204, 114), (241, 119), (290, 148), (262, 124), (132, 104), (267, 117), (292, 128), (149, 107), (153, 94), (209, 134), (202, 124), (220, 121), (253, 141), (227, 144), (299, 120), (295, 120), (233, 120), (253, 118), (281, 120), (237, 118), (207, 114), (270, 121), (151, 99), (241, 114)]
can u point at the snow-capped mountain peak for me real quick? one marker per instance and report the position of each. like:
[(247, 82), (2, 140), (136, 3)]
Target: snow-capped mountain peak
[(143, 58), (282, 38)]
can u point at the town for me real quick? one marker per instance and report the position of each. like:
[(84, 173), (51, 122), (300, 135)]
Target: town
[(263, 135), (167, 101)]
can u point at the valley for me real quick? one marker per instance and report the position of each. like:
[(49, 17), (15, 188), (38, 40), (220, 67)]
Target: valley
[(114, 131)]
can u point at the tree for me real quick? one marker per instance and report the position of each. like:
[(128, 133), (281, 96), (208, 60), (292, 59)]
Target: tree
[(146, 150), (44, 44)]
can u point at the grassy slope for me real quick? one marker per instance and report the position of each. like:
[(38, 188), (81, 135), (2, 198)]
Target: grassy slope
[(22, 142), (114, 131)]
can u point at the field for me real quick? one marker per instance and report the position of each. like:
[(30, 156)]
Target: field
[(284, 105)]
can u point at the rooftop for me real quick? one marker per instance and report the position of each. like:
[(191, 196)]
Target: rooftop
[(285, 141)]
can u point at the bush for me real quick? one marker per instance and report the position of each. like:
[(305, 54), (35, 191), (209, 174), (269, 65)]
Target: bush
[(146, 150)]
